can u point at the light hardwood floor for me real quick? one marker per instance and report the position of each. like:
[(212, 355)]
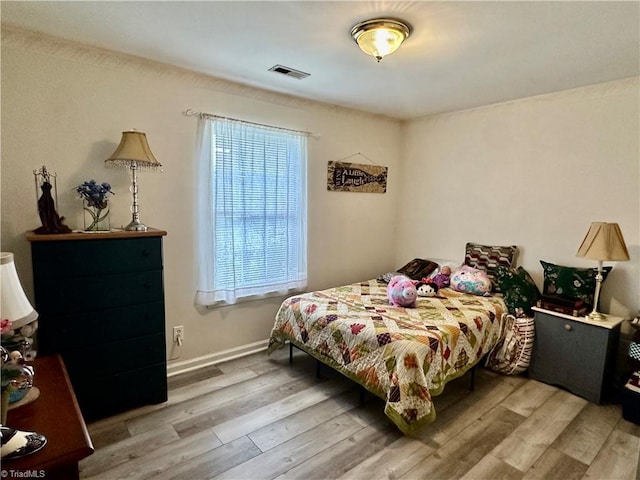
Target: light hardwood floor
[(260, 418)]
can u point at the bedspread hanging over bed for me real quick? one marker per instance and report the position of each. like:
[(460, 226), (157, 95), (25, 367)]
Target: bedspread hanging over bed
[(403, 355)]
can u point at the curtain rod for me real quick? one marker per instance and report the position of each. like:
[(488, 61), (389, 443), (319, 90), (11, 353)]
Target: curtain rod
[(192, 113)]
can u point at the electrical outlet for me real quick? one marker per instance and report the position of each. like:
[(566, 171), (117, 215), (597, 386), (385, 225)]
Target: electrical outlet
[(178, 335)]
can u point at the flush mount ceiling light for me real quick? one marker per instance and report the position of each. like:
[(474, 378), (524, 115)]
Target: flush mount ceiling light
[(380, 36)]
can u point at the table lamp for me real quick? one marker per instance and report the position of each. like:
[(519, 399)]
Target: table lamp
[(603, 242), (16, 313), (134, 152)]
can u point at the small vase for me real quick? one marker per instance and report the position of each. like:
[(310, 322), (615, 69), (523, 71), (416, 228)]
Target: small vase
[(96, 219)]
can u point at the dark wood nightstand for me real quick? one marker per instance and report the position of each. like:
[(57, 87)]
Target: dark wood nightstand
[(56, 415)]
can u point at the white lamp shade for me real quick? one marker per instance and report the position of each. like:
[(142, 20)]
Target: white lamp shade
[(15, 305)]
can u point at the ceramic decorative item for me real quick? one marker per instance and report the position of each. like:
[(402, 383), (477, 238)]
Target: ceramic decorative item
[(17, 377), (18, 443)]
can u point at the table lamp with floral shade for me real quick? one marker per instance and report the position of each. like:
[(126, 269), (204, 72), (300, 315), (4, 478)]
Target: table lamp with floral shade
[(19, 325), (18, 317), (18, 328)]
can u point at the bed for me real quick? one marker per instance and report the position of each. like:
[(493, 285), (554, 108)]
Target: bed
[(403, 355)]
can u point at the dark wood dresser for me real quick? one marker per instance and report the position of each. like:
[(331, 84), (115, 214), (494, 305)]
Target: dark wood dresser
[(54, 414), (100, 298)]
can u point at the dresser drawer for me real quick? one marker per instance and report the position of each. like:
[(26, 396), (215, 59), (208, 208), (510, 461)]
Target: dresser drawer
[(78, 294), (59, 333), (101, 397), (60, 259), (115, 357)]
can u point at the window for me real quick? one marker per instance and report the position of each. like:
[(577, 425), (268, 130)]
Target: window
[(252, 210)]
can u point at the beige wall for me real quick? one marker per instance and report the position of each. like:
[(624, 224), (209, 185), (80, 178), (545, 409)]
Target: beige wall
[(65, 106), (534, 172)]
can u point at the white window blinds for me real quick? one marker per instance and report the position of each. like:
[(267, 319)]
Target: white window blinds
[(252, 210)]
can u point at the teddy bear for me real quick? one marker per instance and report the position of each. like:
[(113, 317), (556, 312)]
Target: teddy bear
[(402, 292)]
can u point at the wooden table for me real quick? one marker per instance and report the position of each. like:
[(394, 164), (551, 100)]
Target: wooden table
[(56, 415)]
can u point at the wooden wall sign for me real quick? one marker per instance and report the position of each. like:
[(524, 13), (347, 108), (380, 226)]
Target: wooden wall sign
[(356, 177)]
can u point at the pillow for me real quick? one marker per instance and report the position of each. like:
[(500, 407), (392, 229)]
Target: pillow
[(519, 289), (418, 268), (471, 280), (488, 257), (571, 282)]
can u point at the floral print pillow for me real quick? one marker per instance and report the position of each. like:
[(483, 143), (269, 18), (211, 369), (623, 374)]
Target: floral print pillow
[(571, 282), (519, 289)]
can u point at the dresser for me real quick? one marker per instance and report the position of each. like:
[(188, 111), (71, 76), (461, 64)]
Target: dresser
[(100, 298), (575, 353), (66, 446)]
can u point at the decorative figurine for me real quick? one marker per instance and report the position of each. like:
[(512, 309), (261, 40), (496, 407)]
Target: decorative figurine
[(51, 221)]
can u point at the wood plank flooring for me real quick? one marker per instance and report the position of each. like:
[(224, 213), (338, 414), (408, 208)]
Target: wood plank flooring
[(257, 417)]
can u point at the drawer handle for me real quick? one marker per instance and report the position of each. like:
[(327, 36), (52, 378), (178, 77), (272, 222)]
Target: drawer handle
[(567, 327)]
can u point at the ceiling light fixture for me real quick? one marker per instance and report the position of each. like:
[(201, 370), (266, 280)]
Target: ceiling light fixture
[(380, 36)]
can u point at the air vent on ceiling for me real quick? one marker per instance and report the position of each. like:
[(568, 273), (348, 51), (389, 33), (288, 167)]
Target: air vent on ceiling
[(289, 72)]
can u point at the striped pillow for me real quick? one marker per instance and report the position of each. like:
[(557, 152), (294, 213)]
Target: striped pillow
[(488, 258)]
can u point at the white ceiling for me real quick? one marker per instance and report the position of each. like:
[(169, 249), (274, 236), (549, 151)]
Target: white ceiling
[(460, 54)]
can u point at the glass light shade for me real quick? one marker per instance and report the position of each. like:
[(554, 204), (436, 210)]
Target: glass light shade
[(380, 37), (15, 306)]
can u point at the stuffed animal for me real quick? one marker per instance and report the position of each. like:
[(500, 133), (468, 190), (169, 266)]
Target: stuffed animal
[(443, 278), (427, 288), (402, 292), (470, 280)]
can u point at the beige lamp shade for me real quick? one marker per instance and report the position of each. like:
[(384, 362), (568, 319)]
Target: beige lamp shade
[(134, 152), (133, 148), (15, 306), (604, 242)]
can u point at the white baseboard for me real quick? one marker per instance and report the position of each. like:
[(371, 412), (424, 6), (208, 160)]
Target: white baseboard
[(184, 366)]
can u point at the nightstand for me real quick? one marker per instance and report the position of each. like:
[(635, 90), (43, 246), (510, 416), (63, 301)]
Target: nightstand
[(575, 353)]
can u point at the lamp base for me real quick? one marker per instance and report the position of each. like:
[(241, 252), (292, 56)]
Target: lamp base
[(596, 316), (136, 226)]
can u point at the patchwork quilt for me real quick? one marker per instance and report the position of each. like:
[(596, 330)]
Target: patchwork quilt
[(403, 355)]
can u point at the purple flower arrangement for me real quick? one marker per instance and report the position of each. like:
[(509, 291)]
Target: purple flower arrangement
[(95, 196)]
